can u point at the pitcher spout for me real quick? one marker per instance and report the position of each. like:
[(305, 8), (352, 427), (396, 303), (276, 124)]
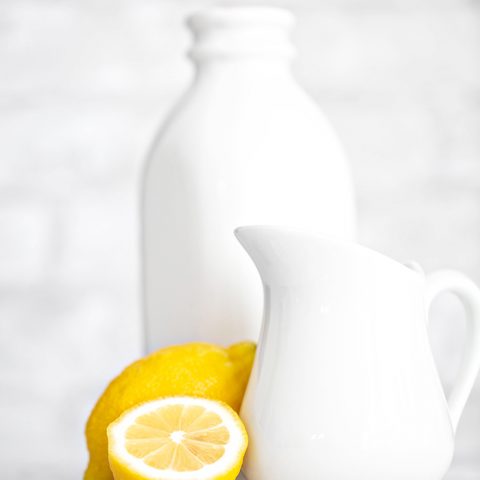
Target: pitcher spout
[(256, 241), (289, 256), (282, 255), (265, 247)]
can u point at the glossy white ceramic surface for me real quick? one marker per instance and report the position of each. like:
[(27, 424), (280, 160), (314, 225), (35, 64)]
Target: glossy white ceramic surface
[(344, 385), (245, 145)]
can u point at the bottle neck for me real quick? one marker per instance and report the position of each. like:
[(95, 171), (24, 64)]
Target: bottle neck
[(243, 40), (245, 69)]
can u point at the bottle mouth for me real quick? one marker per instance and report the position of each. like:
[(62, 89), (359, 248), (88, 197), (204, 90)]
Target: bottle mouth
[(237, 16), (241, 30)]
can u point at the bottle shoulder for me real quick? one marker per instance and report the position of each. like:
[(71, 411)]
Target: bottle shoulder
[(206, 114)]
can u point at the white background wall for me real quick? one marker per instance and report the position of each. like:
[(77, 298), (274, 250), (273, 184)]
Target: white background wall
[(83, 87)]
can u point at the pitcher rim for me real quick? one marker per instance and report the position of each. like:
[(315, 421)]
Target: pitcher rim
[(325, 237)]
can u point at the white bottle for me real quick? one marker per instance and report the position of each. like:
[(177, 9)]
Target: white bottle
[(245, 145)]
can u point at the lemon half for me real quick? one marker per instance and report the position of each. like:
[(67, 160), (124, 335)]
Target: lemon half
[(177, 438)]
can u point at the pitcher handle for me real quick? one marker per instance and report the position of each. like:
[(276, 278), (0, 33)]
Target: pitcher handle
[(469, 294)]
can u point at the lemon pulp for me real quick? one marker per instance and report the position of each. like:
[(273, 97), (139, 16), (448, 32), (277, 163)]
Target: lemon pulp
[(174, 437)]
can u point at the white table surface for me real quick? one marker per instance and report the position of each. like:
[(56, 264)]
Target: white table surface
[(467, 474)]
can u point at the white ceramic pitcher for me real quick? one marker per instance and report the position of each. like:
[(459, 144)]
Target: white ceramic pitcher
[(344, 386)]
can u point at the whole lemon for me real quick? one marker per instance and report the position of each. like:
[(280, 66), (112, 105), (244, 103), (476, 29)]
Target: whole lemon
[(195, 369)]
